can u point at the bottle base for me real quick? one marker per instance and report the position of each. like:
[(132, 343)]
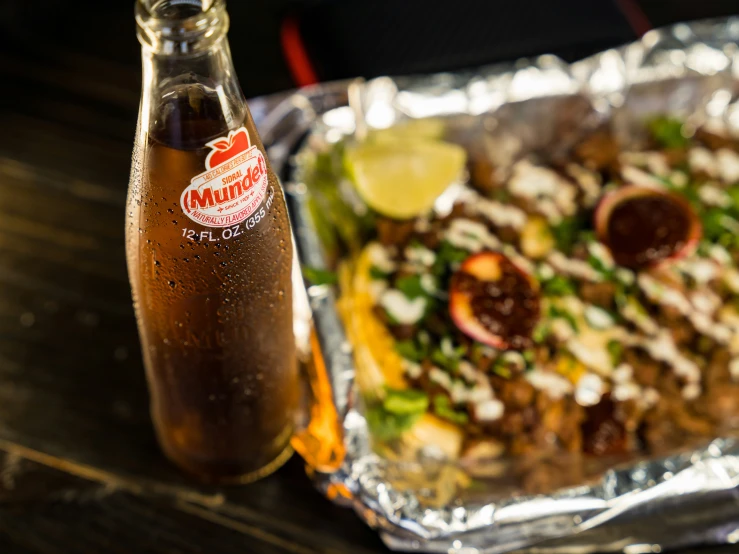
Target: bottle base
[(231, 478)]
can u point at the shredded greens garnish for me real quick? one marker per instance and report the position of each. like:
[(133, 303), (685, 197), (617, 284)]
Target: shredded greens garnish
[(443, 408), (317, 276), (668, 132)]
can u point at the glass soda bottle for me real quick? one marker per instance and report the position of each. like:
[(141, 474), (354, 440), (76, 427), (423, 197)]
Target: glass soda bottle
[(209, 254)]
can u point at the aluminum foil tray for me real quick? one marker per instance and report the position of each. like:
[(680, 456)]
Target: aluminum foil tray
[(650, 505)]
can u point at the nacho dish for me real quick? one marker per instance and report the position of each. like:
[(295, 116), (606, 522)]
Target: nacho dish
[(585, 304)]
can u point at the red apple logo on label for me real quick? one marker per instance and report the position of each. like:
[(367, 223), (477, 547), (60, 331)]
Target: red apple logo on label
[(225, 148), (232, 187)]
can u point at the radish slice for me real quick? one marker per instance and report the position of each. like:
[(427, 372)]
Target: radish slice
[(493, 301), (643, 226)]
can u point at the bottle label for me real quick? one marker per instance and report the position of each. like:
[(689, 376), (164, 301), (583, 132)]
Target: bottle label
[(233, 185)]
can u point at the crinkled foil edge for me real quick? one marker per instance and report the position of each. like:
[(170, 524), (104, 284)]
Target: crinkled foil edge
[(690, 498)]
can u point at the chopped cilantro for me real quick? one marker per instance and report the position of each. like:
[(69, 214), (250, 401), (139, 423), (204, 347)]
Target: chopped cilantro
[(541, 332), (555, 312), (409, 350), (733, 193), (528, 356), (317, 276), (616, 351), (705, 344), (558, 286), (444, 361), (448, 255), (598, 265), (399, 411), (444, 409), (500, 369), (588, 236), (403, 402), (410, 286), (476, 352), (377, 273), (712, 228), (566, 233), (668, 132), (387, 426)]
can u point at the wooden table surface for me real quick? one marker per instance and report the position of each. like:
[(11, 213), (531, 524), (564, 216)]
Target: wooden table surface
[(80, 470)]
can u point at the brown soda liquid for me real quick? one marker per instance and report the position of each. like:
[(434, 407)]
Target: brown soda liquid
[(214, 305)]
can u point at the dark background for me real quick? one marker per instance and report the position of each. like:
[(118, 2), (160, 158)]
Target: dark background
[(80, 471), (356, 37)]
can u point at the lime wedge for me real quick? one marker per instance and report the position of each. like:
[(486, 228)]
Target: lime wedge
[(427, 129), (403, 179)]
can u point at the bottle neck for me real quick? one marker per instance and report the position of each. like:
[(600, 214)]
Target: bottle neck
[(185, 53), (180, 28)]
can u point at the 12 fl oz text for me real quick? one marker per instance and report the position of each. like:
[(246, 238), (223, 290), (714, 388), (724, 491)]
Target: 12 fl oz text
[(227, 233)]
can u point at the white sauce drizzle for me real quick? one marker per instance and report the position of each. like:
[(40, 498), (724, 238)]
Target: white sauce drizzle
[(662, 348), (601, 253), (714, 196), (403, 310), (734, 369), (589, 390), (551, 194), (638, 176), (489, 410), (655, 162), (501, 215), (728, 165), (420, 255), (470, 235), (626, 391), (702, 160), (555, 385), (573, 267), (702, 270), (380, 257)]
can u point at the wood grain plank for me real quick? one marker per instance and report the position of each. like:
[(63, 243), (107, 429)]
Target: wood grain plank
[(47, 510)]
